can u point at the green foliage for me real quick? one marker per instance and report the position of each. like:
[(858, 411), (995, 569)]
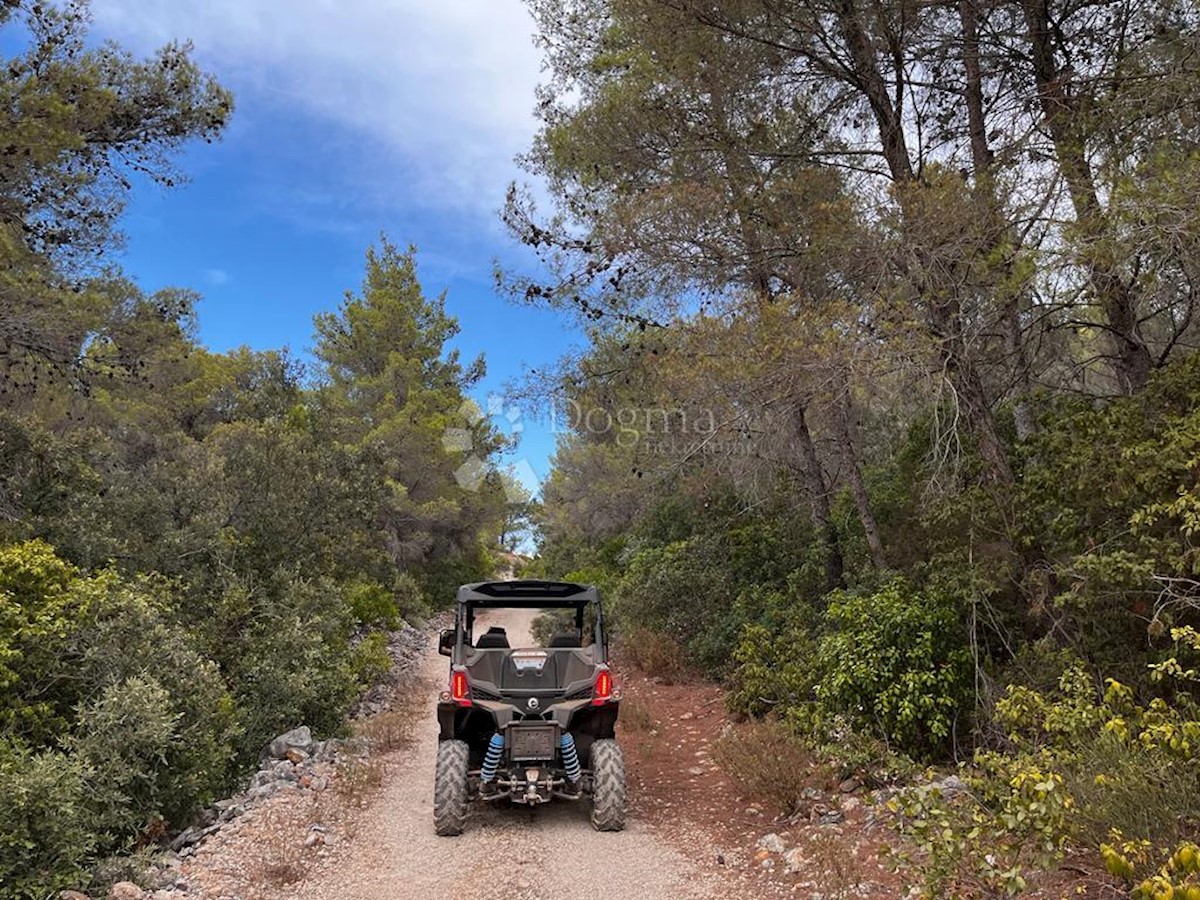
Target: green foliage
[(294, 665), (373, 604), (773, 671), (133, 636), (1131, 766), (698, 592), (395, 392), (1112, 491), (108, 674), (1079, 766), (46, 834), (189, 540), (39, 613), (371, 658), (897, 665), (256, 526), (965, 841), (412, 603), (681, 591), (127, 739), (80, 118), (1178, 878)]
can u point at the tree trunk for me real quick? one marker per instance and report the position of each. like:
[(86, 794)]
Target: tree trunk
[(818, 496), (869, 80), (858, 488), (739, 176), (1131, 358), (985, 194), (1022, 409)]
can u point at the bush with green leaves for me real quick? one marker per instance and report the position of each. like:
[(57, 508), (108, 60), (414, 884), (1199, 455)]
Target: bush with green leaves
[(373, 605), (43, 608), (680, 591), (773, 671), (104, 682), (895, 662), (371, 660), (890, 665), (128, 740), (133, 635), (47, 829), (1098, 768), (969, 848), (1110, 492), (293, 664)]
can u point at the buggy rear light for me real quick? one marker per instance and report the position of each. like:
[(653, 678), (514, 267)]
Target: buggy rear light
[(602, 690), (460, 687)]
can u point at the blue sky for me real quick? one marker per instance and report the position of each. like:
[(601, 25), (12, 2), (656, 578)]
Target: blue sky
[(353, 118)]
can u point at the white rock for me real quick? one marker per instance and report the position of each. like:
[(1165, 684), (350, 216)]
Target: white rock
[(772, 843)]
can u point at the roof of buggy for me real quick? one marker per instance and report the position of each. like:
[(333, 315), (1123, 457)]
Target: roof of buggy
[(533, 594)]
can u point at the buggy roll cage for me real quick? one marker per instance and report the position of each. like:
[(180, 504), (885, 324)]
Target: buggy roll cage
[(526, 595)]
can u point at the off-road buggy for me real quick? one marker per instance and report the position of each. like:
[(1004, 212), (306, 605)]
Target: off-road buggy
[(528, 724)]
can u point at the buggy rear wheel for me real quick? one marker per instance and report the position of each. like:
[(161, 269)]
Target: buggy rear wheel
[(608, 786), (450, 788)]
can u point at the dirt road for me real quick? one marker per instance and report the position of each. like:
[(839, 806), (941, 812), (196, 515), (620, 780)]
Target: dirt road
[(507, 852)]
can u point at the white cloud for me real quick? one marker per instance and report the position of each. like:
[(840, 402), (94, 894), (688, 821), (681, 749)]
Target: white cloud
[(440, 93), (216, 277)]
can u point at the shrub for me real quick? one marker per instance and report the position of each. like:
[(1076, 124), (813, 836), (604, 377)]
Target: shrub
[(1076, 764), (386, 731), (412, 602), (131, 637), (295, 665), (1178, 877), (769, 761), (895, 664), (773, 671), (682, 594), (964, 840), (636, 716), (45, 829), (79, 638), (373, 605), (127, 739), (371, 660), (39, 614), (654, 653), (851, 753)]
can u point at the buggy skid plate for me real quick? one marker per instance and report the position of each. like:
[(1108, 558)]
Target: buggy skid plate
[(532, 742)]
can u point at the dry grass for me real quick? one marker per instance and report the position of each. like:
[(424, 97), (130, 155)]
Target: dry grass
[(655, 654), (635, 716), (358, 778), (836, 872), (387, 731), (769, 762), (280, 857)]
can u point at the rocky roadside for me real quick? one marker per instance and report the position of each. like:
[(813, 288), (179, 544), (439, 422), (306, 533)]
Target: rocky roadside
[(829, 848), (293, 764), (840, 842)]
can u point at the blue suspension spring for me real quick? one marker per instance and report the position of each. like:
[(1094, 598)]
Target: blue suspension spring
[(570, 758), (491, 762)]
